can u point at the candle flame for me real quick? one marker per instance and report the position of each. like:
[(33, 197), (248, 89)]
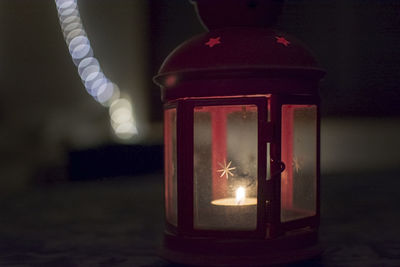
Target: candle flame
[(240, 195)]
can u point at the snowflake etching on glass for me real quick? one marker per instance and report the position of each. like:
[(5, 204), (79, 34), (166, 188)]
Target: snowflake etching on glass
[(226, 169)]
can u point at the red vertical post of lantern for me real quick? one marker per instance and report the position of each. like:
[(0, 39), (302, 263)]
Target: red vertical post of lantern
[(218, 125), (287, 156), (167, 163)]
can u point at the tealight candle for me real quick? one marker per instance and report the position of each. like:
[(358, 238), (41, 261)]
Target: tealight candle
[(239, 199)]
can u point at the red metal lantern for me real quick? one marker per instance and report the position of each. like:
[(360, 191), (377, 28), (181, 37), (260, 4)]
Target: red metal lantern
[(241, 143)]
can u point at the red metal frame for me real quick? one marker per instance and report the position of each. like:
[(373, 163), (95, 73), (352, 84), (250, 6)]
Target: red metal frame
[(274, 182), (218, 87), (167, 162), (185, 167)]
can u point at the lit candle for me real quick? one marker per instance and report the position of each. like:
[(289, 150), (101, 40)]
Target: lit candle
[(240, 195), (239, 200), (236, 212)]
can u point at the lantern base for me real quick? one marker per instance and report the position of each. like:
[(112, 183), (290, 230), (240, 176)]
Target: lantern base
[(203, 251)]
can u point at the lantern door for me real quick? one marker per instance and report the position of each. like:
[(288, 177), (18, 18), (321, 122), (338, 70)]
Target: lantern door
[(299, 147), (228, 166)]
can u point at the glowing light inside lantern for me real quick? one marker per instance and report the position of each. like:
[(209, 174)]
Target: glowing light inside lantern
[(240, 195)]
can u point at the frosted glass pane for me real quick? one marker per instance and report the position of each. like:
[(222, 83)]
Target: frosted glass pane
[(299, 153), (225, 167), (171, 197)]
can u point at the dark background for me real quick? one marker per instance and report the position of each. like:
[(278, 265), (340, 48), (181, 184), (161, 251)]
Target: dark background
[(48, 122), (45, 111)]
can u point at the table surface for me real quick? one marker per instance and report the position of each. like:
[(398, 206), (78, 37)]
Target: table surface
[(119, 222)]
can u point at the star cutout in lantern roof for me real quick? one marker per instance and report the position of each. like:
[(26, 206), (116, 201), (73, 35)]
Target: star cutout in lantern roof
[(213, 41), (282, 40)]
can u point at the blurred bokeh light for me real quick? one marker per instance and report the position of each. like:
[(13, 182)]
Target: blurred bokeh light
[(96, 83)]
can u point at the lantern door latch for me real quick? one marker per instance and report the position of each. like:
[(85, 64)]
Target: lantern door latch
[(281, 168)]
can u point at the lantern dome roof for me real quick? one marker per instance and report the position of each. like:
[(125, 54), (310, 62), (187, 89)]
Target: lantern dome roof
[(238, 52)]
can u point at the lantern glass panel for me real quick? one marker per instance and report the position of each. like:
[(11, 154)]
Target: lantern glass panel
[(225, 167), (171, 197), (299, 153)]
